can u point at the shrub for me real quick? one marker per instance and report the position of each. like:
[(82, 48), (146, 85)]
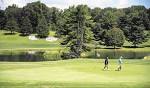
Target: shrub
[(52, 55)]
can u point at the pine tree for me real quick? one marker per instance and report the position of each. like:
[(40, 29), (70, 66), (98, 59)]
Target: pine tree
[(78, 30)]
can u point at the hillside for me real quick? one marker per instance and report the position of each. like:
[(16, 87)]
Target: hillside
[(19, 42)]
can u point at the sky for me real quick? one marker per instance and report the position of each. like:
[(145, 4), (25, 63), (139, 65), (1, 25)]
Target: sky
[(62, 4)]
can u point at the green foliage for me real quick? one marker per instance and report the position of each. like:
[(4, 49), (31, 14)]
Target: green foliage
[(107, 17), (133, 28), (42, 27), (55, 16), (76, 26), (15, 13), (2, 19), (95, 13), (114, 37), (78, 30), (99, 32), (33, 11), (52, 55), (148, 12), (12, 11), (105, 20), (26, 27), (11, 25)]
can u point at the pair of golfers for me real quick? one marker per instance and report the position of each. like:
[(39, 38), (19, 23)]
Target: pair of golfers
[(106, 62)]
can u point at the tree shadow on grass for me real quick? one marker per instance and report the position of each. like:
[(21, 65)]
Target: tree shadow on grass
[(133, 46), (9, 33), (24, 35), (111, 48)]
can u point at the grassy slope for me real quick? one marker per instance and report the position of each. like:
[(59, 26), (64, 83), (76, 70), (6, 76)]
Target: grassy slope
[(143, 44), (146, 43), (17, 42), (74, 73)]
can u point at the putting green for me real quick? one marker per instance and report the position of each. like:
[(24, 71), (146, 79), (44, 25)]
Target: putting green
[(77, 73)]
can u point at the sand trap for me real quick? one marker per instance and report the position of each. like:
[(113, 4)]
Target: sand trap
[(31, 52), (50, 38), (147, 57), (32, 37)]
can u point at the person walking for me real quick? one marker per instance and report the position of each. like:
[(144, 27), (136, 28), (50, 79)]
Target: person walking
[(106, 63), (119, 64)]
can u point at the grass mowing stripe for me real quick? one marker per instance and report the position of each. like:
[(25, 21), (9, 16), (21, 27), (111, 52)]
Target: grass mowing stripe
[(77, 73)]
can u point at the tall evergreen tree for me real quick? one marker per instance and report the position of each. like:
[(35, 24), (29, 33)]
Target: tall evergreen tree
[(79, 30), (26, 27)]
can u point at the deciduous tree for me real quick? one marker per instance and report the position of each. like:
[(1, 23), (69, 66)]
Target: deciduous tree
[(26, 27), (114, 37)]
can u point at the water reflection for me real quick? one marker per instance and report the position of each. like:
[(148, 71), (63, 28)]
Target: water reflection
[(129, 54), (22, 56), (33, 56)]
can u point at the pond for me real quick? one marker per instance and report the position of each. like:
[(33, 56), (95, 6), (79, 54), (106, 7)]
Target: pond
[(28, 56), (49, 55), (113, 54)]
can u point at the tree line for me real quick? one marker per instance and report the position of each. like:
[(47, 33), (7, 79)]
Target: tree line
[(80, 25), (33, 18)]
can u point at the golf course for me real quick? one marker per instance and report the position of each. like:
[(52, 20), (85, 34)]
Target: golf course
[(77, 73), (74, 44), (73, 73)]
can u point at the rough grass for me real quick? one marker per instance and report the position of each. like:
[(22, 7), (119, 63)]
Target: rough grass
[(77, 73)]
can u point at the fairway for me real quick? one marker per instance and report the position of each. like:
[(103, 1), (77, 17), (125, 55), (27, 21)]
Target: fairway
[(74, 44), (20, 42), (76, 73)]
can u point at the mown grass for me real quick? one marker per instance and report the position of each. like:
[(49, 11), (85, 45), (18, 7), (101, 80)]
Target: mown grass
[(76, 73), (147, 44), (18, 42)]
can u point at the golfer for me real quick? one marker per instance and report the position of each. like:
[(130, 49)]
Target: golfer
[(119, 63), (106, 63)]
